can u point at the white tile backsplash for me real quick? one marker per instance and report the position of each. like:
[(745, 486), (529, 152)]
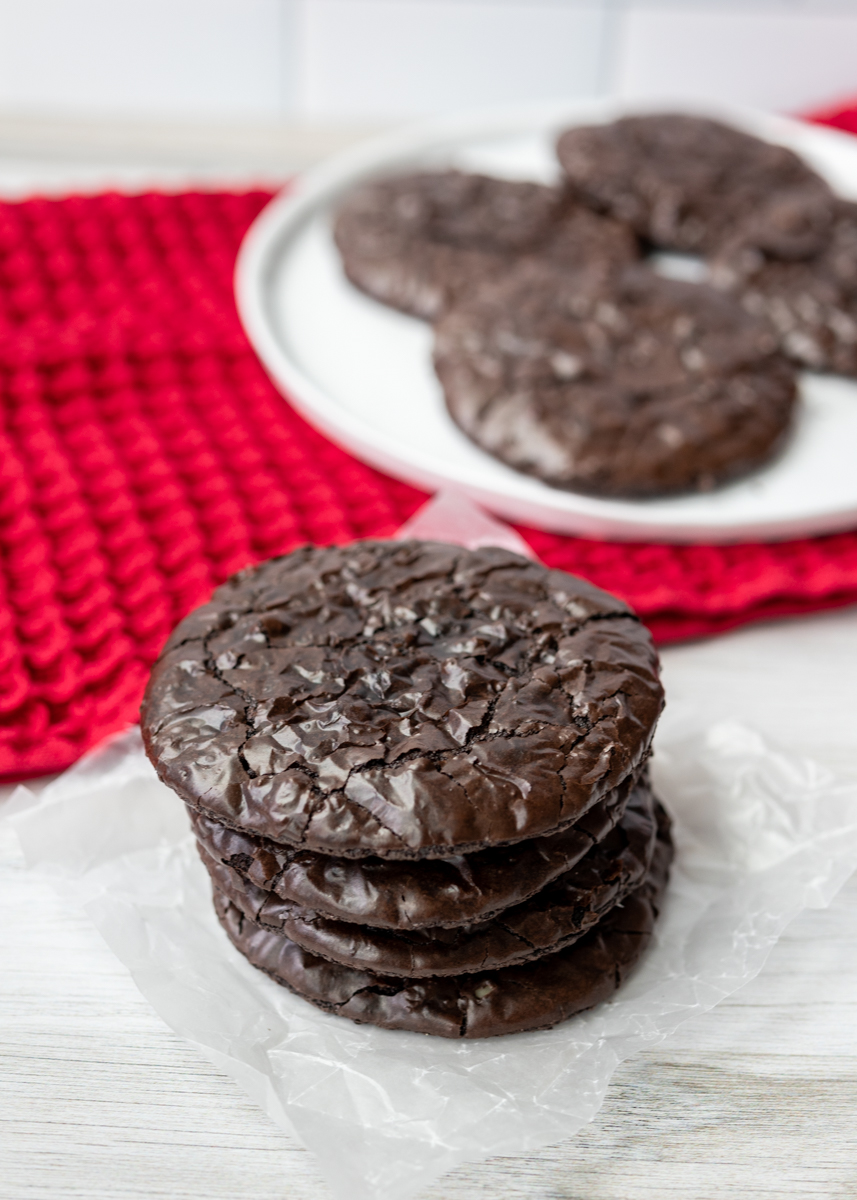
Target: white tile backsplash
[(784, 56), (197, 58), (383, 58), (341, 60)]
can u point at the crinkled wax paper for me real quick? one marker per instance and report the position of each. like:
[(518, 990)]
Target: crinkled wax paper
[(760, 834)]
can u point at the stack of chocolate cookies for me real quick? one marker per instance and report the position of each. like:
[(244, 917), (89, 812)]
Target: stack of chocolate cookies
[(565, 355), (417, 778)]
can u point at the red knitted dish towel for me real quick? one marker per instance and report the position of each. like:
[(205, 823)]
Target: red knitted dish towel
[(144, 456)]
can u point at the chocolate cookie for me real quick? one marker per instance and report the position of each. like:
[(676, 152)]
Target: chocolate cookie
[(555, 917), (396, 894), (688, 183), (649, 388), (417, 242), (812, 303), (402, 699), (536, 995)]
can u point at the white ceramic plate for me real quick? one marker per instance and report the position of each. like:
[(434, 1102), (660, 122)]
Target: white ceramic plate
[(362, 373)]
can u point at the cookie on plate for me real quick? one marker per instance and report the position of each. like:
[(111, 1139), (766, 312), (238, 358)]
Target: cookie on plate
[(811, 302), (416, 242), (688, 183), (533, 995), (402, 699), (554, 917), (412, 894), (648, 388)]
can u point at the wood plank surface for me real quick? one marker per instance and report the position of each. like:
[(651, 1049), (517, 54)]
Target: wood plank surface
[(758, 1097)]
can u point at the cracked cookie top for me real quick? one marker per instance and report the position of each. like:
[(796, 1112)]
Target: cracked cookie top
[(402, 699)]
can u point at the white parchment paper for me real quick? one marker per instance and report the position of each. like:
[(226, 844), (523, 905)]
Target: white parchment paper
[(761, 834)]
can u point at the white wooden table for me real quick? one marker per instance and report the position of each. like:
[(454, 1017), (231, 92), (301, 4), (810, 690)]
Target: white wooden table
[(758, 1098)]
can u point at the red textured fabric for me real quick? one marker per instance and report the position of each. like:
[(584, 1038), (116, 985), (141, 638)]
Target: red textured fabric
[(145, 456), (840, 116)]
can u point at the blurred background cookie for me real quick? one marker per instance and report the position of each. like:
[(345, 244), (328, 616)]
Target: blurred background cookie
[(688, 183), (810, 301), (418, 242), (648, 388)]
